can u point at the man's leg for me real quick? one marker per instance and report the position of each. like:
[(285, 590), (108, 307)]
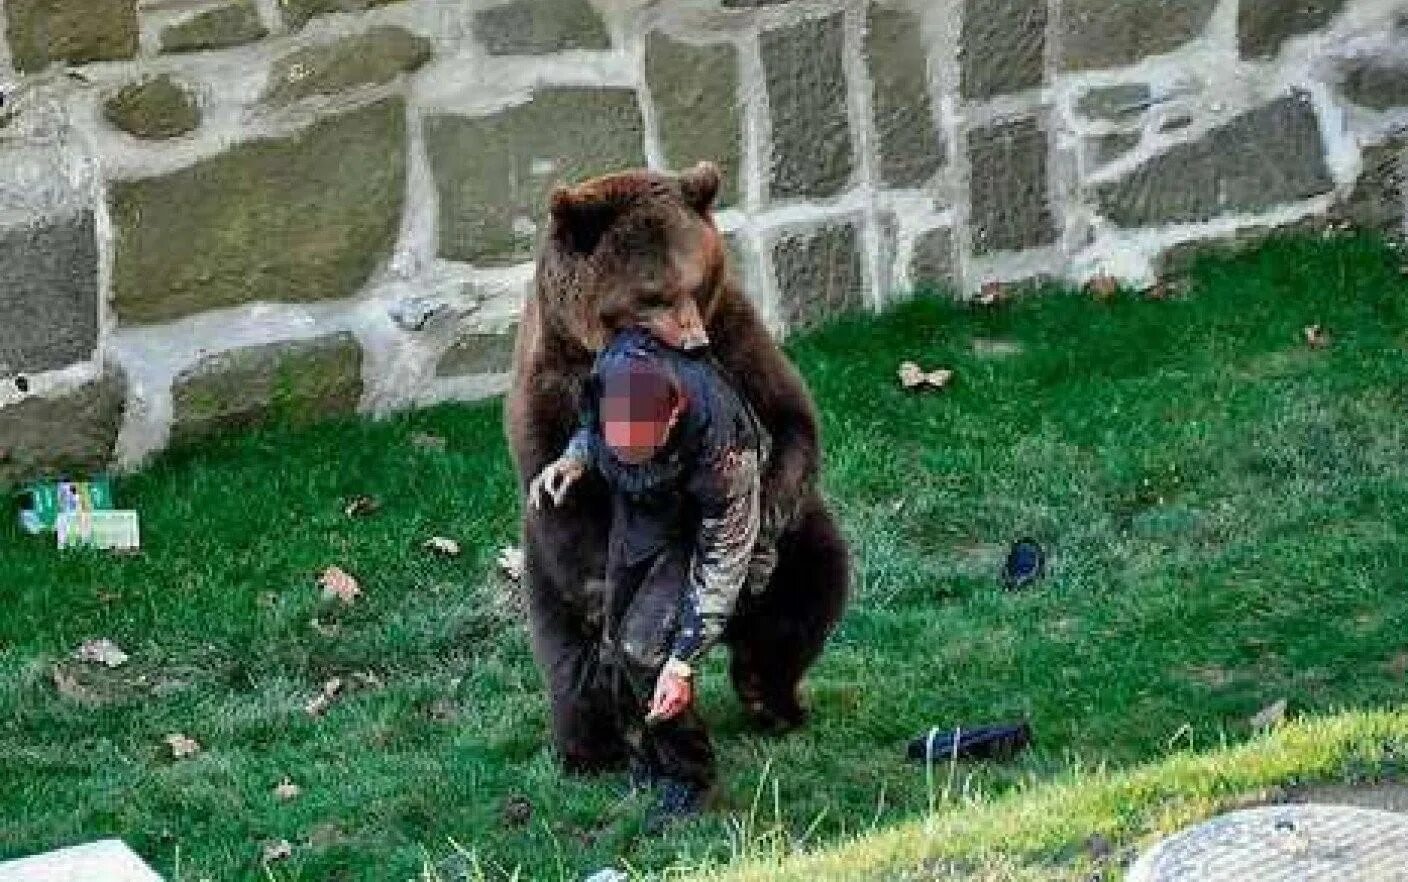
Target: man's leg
[(677, 752)]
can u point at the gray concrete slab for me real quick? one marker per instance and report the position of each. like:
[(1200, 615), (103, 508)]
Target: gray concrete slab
[(1284, 843), (108, 860)]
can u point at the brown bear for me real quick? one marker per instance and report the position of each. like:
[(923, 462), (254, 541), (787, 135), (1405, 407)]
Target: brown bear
[(616, 248)]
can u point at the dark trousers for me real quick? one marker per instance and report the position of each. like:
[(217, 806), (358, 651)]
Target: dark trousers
[(643, 613)]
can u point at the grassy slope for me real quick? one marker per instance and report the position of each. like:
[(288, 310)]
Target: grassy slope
[(1225, 509)]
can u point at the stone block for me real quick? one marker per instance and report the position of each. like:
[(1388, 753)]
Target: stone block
[(154, 109), (1264, 25), (1010, 209), (819, 274), (1002, 47), (1380, 195), (298, 13), (70, 434), (493, 173), (1102, 149), (377, 56), (41, 32), (48, 294), (1266, 157), (695, 92), (911, 151), (932, 265), (301, 381), (811, 132), (219, 28), (1121, 103), (478, 353), (293, 219), (1377, 85), (1113, 33), (752, 4), (535, 27)]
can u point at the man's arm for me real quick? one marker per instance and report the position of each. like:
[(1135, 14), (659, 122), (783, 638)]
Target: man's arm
[(728, 492)]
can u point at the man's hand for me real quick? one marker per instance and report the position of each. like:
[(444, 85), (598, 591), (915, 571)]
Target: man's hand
[(674, 691), (555, 480)]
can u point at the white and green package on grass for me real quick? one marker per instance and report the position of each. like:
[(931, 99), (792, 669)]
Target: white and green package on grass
[(114, 530), (42, 502)]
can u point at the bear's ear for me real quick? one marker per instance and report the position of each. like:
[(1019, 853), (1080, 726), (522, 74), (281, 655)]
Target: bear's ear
[(700, 185), (582, 215)]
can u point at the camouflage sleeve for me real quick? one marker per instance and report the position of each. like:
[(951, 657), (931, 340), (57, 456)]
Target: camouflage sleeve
[(728, 493), (580, 447)]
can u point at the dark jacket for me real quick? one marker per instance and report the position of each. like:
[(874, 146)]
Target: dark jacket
[(700, 490)]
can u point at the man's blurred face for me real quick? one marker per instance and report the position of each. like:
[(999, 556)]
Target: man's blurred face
[(639, 407)]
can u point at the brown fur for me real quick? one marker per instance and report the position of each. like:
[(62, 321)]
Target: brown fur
[(618, 247)]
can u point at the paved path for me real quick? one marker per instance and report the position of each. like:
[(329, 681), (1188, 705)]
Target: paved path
[(1284, 843)]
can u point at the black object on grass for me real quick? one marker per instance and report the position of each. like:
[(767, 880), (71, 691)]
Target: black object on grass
[(1026, 564), (981, 742)]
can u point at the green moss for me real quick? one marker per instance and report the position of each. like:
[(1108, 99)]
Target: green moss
[(302, 218), (41, 32), (232, 25), (155, 108), (298, 12), (376, 56), (287, 383)]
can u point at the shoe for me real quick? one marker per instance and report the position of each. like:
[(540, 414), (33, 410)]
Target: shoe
[(1026, 564), (980, 742), (679, 800)]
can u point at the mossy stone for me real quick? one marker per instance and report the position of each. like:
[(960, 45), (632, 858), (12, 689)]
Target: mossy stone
[(294, 382), (220, 28), (376, 56), (155, 108), (298, 13), (301, 218), (41, 32), (72, 434)]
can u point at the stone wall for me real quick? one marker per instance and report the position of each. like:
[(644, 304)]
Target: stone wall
[(217, 211)]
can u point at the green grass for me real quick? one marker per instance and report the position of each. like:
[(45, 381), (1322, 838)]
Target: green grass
[(1225, 509)]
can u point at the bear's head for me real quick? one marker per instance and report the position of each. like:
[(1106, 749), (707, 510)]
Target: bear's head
[(633, 247)]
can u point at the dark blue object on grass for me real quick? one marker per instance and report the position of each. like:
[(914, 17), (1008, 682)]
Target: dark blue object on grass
[(1026, 564)]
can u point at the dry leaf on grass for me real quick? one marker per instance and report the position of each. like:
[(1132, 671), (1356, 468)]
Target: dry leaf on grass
[(326, 629), (442, 710), (442, 546), (277, 851), (337, 583), (1270, 716), (101, 652), (1398, 665), (361, 506), (427, 441), (286, 790), (1102, 286), (318, 704), (1316, 337), (181, 746), (912, 376), (511, 562)]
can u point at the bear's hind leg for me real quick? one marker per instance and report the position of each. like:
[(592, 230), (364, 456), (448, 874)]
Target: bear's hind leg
[(777, 637)]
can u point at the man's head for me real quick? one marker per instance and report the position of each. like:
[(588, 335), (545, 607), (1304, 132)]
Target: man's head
[(640, 403)]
